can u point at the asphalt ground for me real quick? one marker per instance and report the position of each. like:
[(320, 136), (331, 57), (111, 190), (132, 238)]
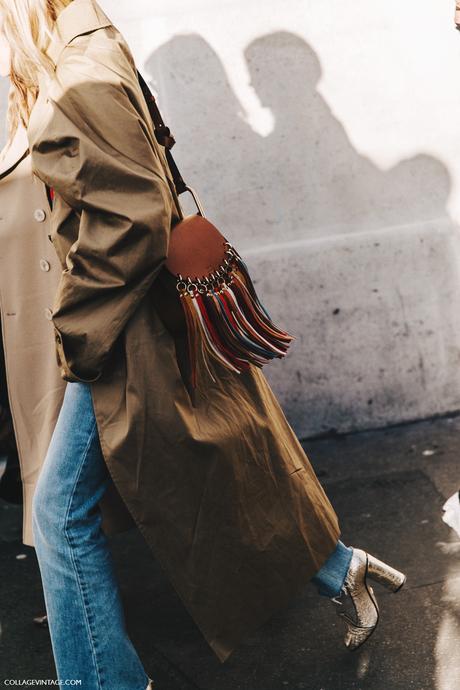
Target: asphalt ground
[(388, 487)]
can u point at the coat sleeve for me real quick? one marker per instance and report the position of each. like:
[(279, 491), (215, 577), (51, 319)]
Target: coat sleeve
[(97, 153)]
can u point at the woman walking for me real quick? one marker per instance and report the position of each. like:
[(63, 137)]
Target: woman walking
[(220, 489)]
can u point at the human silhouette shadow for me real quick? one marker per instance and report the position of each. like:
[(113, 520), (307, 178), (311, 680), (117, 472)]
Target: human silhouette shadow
[(311, 151), (303, 180), (215, 145)]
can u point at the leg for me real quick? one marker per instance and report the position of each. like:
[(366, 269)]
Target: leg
[(83, 604), (344, 579), (330, 579)]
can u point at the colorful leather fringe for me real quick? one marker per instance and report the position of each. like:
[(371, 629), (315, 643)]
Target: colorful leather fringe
[(226, 320)]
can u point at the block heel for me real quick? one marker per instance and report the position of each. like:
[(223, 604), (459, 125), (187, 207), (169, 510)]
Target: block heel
[(384, 574)]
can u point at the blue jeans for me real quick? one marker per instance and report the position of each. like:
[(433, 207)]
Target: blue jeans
[(331, 577), (85, 613), (83, 604)]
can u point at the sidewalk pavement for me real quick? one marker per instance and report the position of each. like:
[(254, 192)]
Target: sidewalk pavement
[(388, 487)]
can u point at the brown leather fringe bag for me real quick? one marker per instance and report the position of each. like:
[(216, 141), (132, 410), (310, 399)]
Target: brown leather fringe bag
[(204, 289)]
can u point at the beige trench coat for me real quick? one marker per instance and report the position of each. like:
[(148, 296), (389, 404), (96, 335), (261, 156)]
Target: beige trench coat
[(29, 276), (222, 492)]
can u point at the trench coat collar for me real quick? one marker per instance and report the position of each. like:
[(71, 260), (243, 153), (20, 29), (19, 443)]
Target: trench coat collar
[(17, 151), (79, 17)]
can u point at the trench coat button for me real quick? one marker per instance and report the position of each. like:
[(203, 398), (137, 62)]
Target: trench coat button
[(39, 215), (48, 314), (44, 265)]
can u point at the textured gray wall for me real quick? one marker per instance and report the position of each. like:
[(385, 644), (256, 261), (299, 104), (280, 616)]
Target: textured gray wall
[(355, 249), (360, 263)]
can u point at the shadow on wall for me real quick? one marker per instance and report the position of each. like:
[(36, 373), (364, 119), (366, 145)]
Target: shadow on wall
[(305, 179), (376, 321), (4, 86)]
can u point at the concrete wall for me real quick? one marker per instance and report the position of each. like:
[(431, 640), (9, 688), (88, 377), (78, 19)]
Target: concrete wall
[(323, 137)]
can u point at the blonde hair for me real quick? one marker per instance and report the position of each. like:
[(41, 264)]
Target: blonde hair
[(27, 28)]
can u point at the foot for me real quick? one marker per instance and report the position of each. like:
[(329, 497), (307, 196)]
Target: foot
[(150, 685), (357, 604)]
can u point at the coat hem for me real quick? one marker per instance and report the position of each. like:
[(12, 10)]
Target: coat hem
[(215, 647), (272, 612), (12, 411)]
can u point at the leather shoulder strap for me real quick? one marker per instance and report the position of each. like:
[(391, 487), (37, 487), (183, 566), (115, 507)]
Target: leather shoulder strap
[(163, 134)]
